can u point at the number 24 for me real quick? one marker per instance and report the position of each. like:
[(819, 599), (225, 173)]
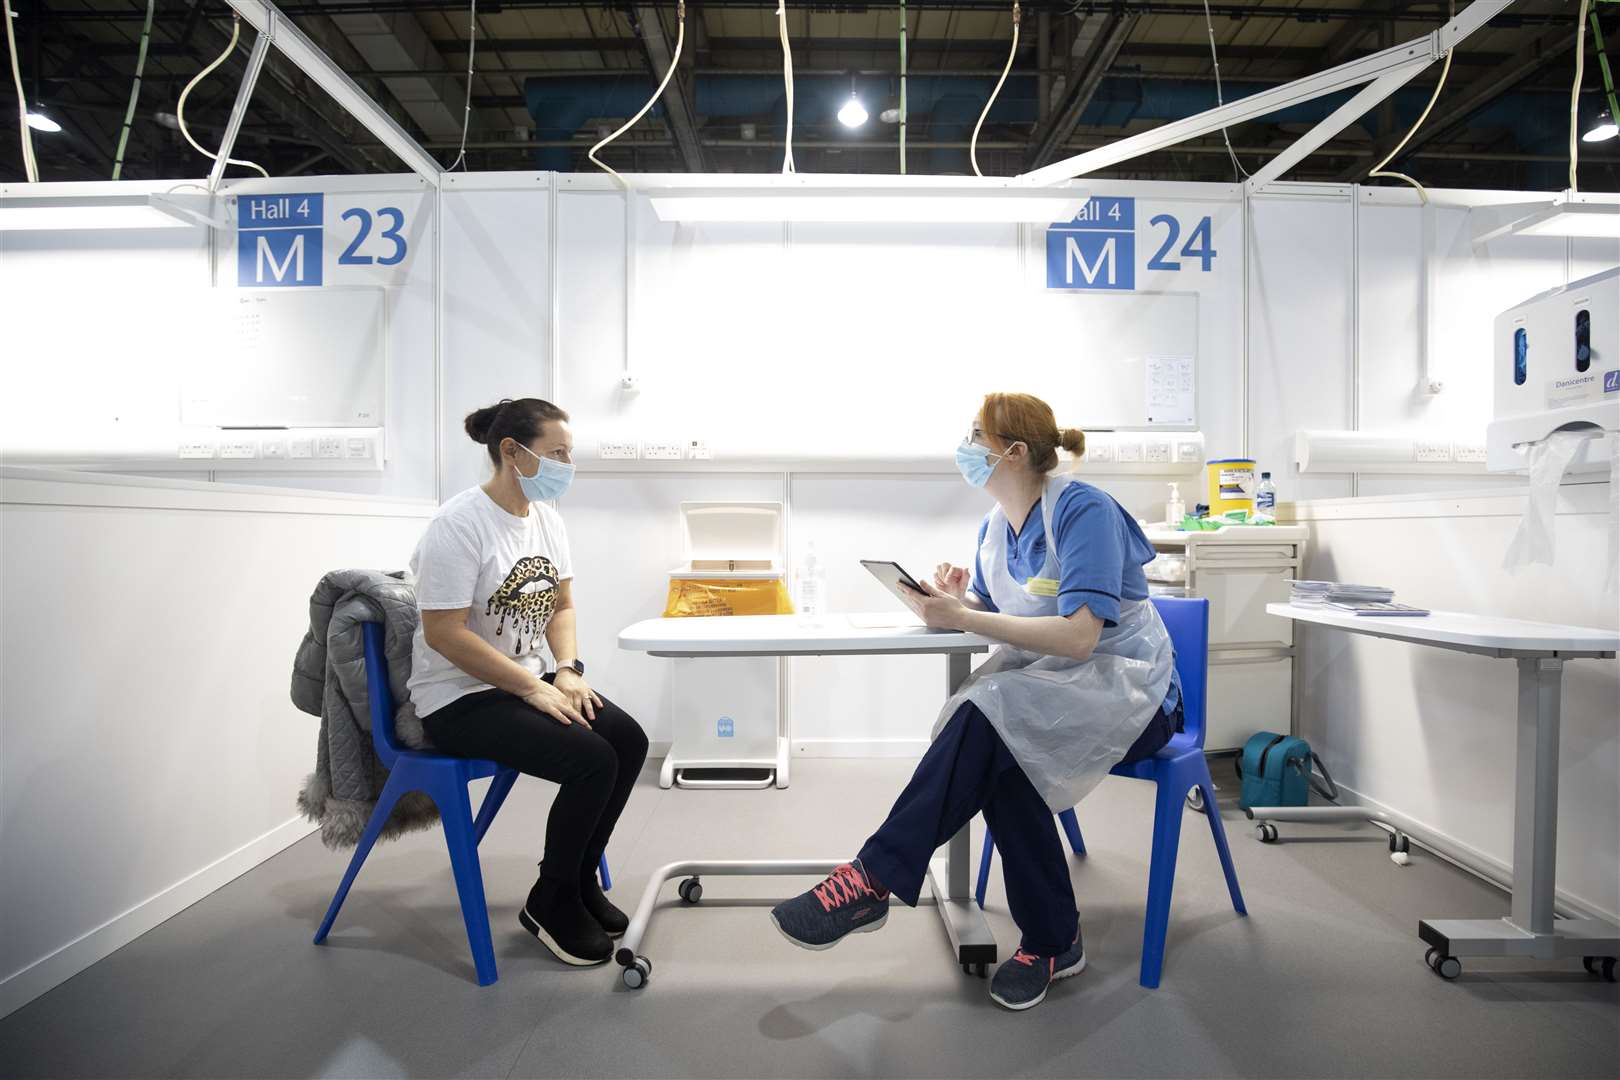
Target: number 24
[(1196, 247), (397, 219)]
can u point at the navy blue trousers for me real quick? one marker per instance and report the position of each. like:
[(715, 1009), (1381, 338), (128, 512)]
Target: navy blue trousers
[(968, 770)]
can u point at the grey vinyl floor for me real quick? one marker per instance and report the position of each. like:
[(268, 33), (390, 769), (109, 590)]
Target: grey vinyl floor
[(1324, 978)]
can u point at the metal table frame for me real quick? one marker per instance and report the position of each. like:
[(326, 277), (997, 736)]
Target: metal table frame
[(949, 877), (1531, 929)]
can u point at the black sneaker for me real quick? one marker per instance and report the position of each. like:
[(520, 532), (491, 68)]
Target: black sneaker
[(612, 921), (556, 916), (844, 904), (1021, 982)]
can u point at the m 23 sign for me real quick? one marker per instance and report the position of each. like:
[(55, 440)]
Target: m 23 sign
[(281, 241), (1097, 250)]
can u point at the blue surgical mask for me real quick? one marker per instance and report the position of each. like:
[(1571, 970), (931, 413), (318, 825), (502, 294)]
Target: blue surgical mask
[(550, 482), (974, 461)]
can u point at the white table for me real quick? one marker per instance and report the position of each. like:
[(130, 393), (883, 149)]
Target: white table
[(1540, 650), (827, 635)]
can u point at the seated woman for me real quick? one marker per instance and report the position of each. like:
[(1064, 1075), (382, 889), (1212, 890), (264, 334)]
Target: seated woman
[(1086, 679), (493, 576)]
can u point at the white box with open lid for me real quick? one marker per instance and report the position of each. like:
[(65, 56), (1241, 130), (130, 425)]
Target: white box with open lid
[(726, 712)]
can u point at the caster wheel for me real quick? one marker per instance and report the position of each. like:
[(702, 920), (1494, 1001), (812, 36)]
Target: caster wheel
[(1590, 963), (1399, 844), (1608, 969), (636, 975), (1447, 967), (1195, 799), (1430, 956), (1266, 832), (691, 890)]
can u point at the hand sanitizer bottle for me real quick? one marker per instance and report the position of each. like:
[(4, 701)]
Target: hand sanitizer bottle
[(1174, 508)]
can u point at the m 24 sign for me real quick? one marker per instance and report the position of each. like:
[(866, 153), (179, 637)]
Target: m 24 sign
[(1097, 250)]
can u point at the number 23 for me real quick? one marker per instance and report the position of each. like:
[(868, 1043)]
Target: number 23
[(397, 222)]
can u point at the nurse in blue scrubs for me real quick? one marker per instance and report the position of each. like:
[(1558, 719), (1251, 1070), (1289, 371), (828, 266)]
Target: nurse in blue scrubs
[(1084, 679)]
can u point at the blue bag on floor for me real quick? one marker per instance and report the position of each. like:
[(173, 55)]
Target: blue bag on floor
[(1277, 771)]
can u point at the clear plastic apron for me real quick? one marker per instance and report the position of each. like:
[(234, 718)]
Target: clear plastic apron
[(1067, 722)]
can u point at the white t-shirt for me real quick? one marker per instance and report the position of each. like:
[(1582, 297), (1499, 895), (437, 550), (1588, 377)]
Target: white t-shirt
[(504, 569)]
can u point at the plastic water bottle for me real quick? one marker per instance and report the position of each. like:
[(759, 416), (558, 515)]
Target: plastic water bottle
[(812, 583), (1265, 496)]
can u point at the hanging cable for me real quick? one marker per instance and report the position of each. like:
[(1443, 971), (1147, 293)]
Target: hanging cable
[(1378, 170), (674, 62), (787, 81), (1220, 99), (134, 92), (466, 105), (973, 143), (1575, 95), (180, 106), (902, 87), (30, 167)]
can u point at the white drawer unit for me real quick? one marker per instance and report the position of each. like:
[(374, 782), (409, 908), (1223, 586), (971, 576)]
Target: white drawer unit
[(1239, 570)]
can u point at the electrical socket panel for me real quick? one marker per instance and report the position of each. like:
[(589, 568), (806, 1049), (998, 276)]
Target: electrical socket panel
[(300, 449), (238, 449), (1128, 451), (273, 449), (197, 449), (663, 451), (1426, 451), (1100, 450), (1156, 451), (621, 450), (698, 450), (359, 449), (329, 447), (1469, 453), (1188, 452)]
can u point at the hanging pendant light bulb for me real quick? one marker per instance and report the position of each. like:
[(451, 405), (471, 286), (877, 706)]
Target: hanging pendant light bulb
[(853, 114), (1602, 129)]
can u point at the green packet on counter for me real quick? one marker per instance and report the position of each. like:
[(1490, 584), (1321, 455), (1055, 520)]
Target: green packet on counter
[(1231, 517)]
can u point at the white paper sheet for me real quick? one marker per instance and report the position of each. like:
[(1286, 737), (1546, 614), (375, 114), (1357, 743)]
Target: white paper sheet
[(1170, 392)]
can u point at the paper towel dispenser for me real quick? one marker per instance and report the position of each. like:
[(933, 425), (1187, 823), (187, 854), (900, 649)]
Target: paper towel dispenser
[(1557, 367)]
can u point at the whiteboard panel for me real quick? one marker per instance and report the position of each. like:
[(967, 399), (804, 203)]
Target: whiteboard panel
[(290, 358)]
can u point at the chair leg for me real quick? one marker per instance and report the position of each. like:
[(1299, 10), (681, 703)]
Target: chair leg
[(456, 813), (400, 781), (1169, 804), (499, 788), (1071, 827), (985, 856), (1218, 831), (602, 873)]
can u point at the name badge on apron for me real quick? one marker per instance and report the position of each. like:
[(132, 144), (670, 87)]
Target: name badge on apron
[(1041, 586)]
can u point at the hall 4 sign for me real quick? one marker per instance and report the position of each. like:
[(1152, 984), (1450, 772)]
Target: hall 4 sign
[(290, 240), (1097, 250)]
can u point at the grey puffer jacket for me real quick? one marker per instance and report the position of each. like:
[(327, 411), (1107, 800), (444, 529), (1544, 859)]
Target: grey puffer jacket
[(329, 681)]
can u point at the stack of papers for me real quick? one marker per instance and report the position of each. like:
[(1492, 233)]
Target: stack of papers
[(1317, 593), (1309, 593)]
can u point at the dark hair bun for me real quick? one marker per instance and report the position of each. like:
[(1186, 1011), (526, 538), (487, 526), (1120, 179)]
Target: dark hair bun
[(480, 421), (1073, 440)]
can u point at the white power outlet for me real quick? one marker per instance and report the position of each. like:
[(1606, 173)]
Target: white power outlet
[(1101, 451), (698, 450), (197, 449), (1157, 451), (359, 449), (273, 449), (238, 449), (1426, 451), (329, 447), (301, 449), (663, 451), (618, 451), (1188, 453), (1471, 453), (1128, 451)]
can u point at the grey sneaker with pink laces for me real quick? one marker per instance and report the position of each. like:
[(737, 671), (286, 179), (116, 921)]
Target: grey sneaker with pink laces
[(846, 903), (1022, 982)]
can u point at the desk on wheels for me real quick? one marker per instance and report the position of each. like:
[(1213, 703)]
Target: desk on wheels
[(1540, 650), (827, 635)]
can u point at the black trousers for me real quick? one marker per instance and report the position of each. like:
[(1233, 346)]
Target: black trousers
[(595, 768), (968, 770)]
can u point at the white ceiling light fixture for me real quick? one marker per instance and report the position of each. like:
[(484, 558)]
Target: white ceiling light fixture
[(853, 114), (1567, 215), (40, 122), (869, 199), (1603, 129), (80, 212)]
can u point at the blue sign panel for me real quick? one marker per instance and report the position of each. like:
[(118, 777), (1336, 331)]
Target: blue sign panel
[(278, 240), (1097, 250)]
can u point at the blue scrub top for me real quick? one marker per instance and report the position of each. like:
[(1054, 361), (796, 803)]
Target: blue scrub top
[(1100, 554)]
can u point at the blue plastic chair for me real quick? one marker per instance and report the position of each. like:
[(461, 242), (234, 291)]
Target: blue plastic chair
[(1177, 768), (444, 780)]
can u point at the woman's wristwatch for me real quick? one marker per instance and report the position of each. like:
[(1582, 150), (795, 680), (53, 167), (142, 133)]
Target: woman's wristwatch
[(576, 665)]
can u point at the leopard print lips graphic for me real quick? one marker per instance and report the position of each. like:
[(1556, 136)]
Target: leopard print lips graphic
[(528, 597)]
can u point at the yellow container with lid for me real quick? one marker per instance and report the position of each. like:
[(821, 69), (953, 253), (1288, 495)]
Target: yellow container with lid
[(1231, 484)]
